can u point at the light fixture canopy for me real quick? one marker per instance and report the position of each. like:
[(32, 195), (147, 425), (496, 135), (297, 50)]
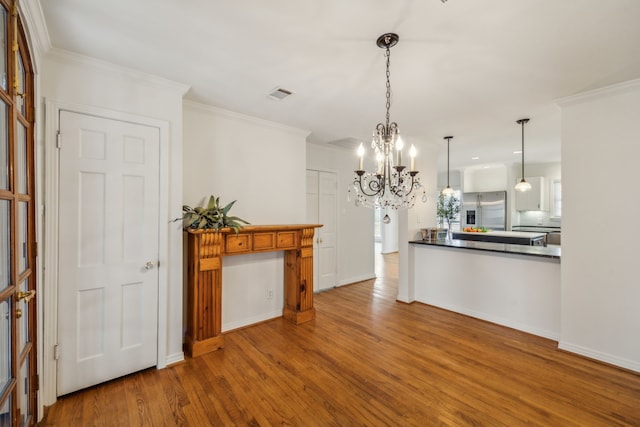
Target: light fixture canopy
[(523, 185), (448, 191), (392, 185)]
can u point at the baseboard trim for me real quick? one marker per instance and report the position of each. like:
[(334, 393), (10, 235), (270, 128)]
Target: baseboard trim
[(600, 356)]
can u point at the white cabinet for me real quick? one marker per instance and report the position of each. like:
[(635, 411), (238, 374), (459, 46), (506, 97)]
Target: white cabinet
[(534, 199)]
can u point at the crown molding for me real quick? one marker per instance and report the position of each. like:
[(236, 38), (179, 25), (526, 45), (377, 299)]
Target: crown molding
[(238, 116), (64, 56), (36, 29), (603, 92)]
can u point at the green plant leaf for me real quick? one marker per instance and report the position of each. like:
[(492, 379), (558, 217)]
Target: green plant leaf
[(227, 208), (211, 216)]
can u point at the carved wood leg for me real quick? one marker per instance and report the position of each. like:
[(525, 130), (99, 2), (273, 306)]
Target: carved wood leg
[(204, 324), (298, 280)]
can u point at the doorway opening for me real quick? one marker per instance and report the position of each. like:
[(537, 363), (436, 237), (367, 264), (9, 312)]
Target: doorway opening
[(387, 231)]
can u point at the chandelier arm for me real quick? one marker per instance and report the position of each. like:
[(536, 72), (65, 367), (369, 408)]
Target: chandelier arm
[(376, 187)]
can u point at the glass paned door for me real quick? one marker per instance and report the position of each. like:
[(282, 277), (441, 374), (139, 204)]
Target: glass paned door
[(18, 368), (3, 48), (4, 147), (5, 244)]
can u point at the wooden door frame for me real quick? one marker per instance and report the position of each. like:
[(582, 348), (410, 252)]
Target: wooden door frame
[(49, 311)]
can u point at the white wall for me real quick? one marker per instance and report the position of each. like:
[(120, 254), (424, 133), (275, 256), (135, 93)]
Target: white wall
[(355, 224), (262, 165), (600, 314), (71, 79), (422, 215)]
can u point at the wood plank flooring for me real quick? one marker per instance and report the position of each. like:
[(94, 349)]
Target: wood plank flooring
[(368, 360)]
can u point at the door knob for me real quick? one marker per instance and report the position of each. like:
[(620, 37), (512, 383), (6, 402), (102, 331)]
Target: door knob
[(149, 265), (26, 296)]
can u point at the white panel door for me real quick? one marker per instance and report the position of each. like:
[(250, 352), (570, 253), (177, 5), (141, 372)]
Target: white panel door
[(327, 211), (312, 218), (108, 277), (322, 188)]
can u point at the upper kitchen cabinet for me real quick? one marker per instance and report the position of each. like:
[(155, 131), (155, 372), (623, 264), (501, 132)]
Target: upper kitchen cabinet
[(534, 199)]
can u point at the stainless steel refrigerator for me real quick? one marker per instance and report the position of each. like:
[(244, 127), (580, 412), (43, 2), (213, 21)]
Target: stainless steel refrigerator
[(485, 209)]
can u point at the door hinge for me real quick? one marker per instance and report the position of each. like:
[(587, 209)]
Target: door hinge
[(56, 352), (36, 382), (58, 140)]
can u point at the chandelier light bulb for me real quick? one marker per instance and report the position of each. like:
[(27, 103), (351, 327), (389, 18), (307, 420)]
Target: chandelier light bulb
[(412, 154), (379, 159), (399, 147), (361, 156)]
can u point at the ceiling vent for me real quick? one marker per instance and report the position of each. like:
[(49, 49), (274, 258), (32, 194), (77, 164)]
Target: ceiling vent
[(279, 94)]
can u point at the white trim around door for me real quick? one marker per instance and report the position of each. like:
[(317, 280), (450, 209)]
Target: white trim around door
[(49, 308)]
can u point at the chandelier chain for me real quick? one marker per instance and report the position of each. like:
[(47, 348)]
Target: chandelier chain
[(388, 105)]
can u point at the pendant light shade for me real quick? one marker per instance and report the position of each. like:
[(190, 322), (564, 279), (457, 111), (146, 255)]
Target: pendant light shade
[(523, 185), (447, 191)]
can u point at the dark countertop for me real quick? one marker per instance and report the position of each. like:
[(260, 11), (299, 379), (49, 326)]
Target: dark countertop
[(539, 251), (537, 228), (505, 237)]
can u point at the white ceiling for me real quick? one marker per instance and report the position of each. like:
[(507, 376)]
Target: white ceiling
[(467, 68)]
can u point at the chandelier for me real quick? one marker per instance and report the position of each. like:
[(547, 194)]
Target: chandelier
[(392, 185)]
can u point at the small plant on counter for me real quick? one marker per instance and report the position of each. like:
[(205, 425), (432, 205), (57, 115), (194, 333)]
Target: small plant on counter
[(213, 216), (447, 209)]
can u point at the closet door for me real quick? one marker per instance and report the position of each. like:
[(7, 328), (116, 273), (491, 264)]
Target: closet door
[(322, 209)]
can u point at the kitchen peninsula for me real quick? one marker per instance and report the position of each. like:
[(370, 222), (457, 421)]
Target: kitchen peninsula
[(512, 285)]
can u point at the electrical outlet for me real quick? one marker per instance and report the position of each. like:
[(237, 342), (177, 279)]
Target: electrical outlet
[(269, 293)]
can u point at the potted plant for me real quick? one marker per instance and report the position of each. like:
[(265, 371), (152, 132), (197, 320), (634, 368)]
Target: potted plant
[(448, 208), (213, 216)]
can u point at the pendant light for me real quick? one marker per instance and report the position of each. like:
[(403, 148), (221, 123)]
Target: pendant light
[(447, 191), (523, 185)]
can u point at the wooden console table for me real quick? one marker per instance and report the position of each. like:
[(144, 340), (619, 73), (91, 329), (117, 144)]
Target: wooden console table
[(205, 249)]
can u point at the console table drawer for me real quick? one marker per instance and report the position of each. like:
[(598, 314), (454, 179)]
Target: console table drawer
[(235, 243), (287, 240)]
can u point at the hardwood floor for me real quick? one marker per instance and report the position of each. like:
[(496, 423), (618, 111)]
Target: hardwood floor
[(368, 360)]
